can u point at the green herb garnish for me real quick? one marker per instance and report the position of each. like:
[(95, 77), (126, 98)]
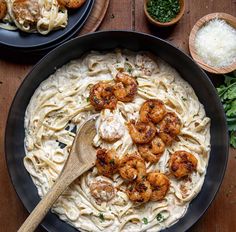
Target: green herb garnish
[(163, 10), (183, 98), (145, 221), (227, 94), (87, 99), (160, 217), (112, 161), (101, 216), (130, 70)]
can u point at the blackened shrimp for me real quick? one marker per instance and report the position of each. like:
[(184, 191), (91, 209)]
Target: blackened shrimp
[(152, 110), (26, 12), (139, 192), (125, 88), (71, 3), (3, 9), (152, 151), (107, 162), (141, 132), (102, 191), (169, 127), (160, 185), (182, 164), (102, 96), (132, 167)]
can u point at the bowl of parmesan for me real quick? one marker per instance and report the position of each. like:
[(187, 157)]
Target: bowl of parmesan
[(212, 43)]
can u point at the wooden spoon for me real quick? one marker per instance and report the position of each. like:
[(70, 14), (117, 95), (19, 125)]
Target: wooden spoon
[(81, 158)]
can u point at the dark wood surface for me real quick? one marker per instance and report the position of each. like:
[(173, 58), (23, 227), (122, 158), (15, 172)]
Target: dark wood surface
[(123, 14)]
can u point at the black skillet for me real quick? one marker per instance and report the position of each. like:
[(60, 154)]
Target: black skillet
[(102, 41)]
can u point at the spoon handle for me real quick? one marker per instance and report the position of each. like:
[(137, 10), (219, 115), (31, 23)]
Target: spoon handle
[(45, 204)]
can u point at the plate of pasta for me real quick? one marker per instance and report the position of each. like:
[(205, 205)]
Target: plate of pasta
[(38, 24), (161, 135)]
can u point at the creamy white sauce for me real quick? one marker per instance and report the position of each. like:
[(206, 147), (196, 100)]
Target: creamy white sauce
[(60, 103)]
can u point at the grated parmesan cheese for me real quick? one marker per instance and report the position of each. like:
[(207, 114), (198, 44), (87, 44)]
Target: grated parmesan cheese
[(216, 43)]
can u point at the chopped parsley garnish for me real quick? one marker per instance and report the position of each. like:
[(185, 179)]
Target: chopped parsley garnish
[(160, 217), (163, 10), (129, 70), (184, 99), (101, 216), (145, 221), (87, 99), (112, 161)]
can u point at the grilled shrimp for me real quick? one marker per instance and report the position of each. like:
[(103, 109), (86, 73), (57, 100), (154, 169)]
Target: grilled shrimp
[(152, 151), (125, 88), (107, 162), (152, 110), (182, 163), (71, 3), (160, 185), (169, 127), (102, 191), (26, 12), (139, 192), (141, 132), (132, 167), (3, 9), (102, 96)]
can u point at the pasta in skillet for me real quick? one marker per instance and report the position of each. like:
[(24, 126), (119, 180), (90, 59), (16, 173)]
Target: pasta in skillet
[(101, 199)]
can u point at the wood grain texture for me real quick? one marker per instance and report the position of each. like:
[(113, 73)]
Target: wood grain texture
[(95, 18), (129, 15)]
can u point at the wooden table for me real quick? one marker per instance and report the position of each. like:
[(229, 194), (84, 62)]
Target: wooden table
[(123, 14)]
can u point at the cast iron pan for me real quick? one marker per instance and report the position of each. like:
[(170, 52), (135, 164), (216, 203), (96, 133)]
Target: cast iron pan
[(14, 138), (22, 40)]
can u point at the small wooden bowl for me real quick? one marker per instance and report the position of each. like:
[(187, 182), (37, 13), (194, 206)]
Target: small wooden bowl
[(172, 22), (201, 22)]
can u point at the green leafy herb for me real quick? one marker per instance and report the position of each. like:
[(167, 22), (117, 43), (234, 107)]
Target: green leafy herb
[(145, 221), (183, 98), (87, 99), (112, 161), (101, 216), (227, 94), (130, 70), (160, 217), (163, 10)]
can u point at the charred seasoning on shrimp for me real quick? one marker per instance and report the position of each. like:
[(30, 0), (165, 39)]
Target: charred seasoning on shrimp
[(169, 127), (125, 88), (107, 162), (26, 12), (102, 96), (152, 151), (3, 9), (102, 191), (182, 164), (132, 167), (152, 110), (160, 185), (139, 192), (141, 132)]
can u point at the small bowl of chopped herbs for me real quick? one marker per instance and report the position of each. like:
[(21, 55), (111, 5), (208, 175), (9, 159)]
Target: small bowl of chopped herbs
[(164, 13)]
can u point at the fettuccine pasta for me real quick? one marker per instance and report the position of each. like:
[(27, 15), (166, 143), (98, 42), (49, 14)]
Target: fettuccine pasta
[(61, 104)]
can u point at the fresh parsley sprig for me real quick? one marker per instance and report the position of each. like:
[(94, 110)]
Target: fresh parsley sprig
[(227, 94)]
